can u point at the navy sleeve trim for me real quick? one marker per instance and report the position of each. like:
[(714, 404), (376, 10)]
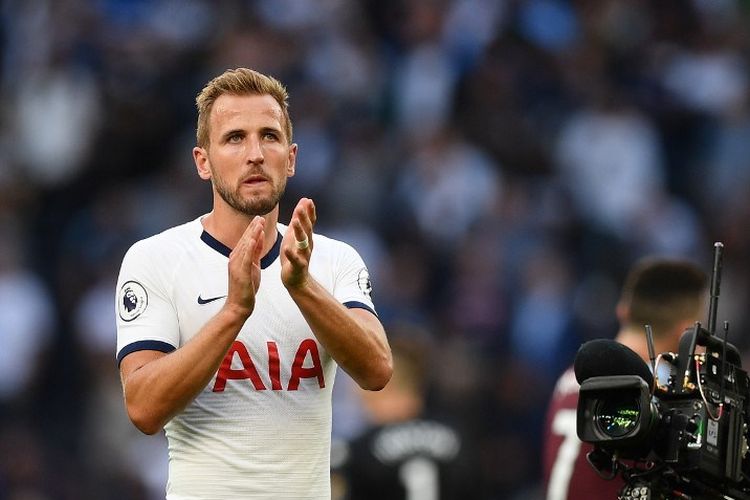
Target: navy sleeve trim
[(360, 305), (144, 345)]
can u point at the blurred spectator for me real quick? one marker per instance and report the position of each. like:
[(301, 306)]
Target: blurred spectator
[(468, 29), (447, 186), (478, 304), (405, 453), (608, 155), (55, 122), (26, 323), (550, 24), (710, 77), (666, 225), (725, 168), (542, 325)]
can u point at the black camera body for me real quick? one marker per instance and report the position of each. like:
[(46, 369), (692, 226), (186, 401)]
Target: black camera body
[(682, 434)]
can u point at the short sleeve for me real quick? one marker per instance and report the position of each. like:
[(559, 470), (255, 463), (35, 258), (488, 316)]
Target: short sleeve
[(353, 287), (146, 317)]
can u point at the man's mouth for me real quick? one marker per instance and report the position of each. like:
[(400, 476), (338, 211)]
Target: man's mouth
[(254, 179)]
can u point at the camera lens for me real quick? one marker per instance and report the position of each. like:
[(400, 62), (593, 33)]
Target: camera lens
[(617, 417)]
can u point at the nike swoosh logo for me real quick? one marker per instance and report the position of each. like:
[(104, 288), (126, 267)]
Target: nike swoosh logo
[(202, 301)]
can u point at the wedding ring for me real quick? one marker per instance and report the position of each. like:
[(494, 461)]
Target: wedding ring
[(302, 244)]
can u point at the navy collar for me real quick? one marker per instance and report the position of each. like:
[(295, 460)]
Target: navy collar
[(224, 250)]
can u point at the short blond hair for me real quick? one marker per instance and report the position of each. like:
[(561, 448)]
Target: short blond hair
[(239, 81)]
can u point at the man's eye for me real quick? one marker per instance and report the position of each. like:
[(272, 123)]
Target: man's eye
[(270, 136)]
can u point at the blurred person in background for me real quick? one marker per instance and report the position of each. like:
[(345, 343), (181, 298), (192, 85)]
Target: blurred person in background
[(406, 454), (667, 294), (26, 322), (238, 369)]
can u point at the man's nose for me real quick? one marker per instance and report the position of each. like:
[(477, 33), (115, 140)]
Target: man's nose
[(254, 150)]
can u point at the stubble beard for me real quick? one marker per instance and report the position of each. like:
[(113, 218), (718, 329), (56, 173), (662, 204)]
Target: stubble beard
[(255, 205)]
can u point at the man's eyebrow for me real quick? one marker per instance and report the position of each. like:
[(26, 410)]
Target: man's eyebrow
[(271, 129), (234, 131)]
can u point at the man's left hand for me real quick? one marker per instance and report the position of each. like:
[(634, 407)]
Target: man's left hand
[(297, 245)]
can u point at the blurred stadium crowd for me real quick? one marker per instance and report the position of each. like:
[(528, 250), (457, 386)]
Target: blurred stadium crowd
[(498, 163)]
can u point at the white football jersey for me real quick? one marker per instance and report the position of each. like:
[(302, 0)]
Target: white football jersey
[(262, 427)]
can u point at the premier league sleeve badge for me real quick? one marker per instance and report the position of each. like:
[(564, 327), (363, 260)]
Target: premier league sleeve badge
[(132, 300)]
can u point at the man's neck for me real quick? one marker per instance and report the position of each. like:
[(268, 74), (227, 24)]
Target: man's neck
[(635, 339), (227, 225)]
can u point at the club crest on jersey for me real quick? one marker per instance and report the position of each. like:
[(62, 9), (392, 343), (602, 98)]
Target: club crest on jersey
[(363, 280), (132, 300)]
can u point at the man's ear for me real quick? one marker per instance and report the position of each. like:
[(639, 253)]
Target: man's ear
[(622, 311), (202, 163), (680, 328), (292, 161)]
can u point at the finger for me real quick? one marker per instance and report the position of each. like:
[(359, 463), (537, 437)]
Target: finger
[(303, 237), (251, 230), (251, 242), (257, 248), (305, 213), (312, 213), (247, 235), (255, 239), (307, 207), (299, 232)]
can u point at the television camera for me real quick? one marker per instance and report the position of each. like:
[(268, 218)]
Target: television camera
[(677, 429)]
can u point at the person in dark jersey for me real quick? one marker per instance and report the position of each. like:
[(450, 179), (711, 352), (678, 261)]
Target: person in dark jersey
[(405, 454), (667, 294)]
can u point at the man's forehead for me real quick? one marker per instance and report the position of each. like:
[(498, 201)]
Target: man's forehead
[(228, 107)]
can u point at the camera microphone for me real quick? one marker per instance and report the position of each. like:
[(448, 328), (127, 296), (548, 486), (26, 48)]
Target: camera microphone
[(605, 357)]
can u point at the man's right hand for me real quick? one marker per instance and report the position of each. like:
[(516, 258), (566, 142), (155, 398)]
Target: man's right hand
[(244, 268)]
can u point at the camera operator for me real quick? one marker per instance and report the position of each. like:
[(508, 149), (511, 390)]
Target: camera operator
[(667, 294)]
